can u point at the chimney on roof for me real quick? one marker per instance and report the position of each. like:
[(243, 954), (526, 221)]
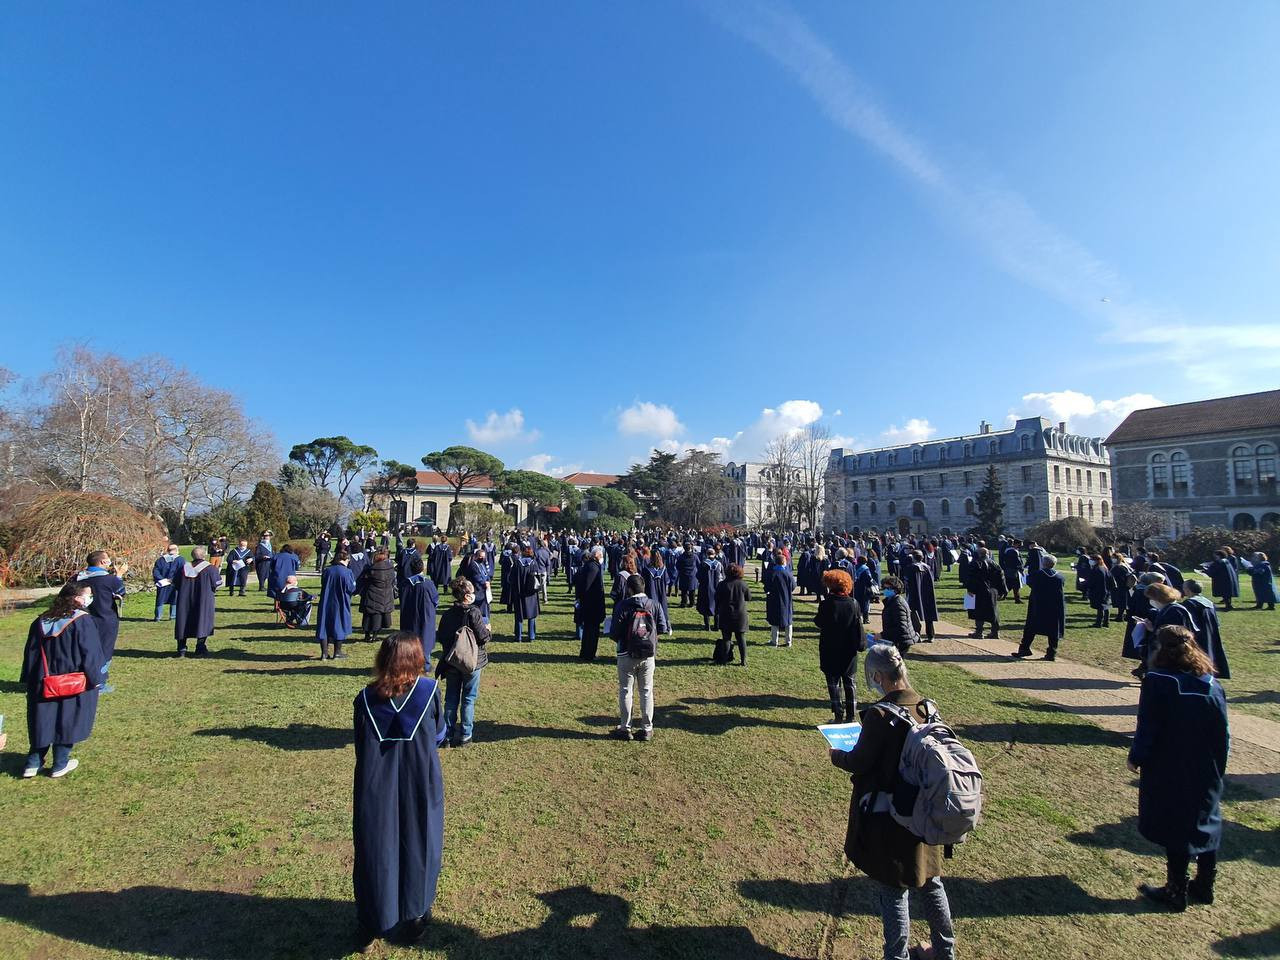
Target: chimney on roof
[(1062, 426), (984, 427)]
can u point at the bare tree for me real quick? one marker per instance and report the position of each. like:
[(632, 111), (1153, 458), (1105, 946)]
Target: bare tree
[(813, 452), (699, 489), (780, 475), (1134, 522)]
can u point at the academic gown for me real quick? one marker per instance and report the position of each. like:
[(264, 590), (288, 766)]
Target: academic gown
[(1180, 747), (166, 569), (333, 622), (398, 806), (418, 605), (238, 578), (506, 563), (655, 588), (1226, 584), (1047, 605), (1264, 584), (479, 574), (710, 573), (918, 581), (108, 591), (283, 566), (197, 600), (358, 563), (777, 597), (71, 645), (403, 558), (1209, 633), (524, 598), (439, 564), (687, 567)]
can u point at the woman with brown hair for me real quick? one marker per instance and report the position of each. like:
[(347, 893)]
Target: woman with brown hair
[(731, 598), (1180, 755), (377, 589), (398, 823), (840, 637)]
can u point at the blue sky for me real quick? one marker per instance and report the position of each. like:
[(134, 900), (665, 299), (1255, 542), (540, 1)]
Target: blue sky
[(569, 233)]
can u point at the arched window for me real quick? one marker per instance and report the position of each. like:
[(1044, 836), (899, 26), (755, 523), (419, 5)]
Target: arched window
[(1105, 510), (1069, 507), (993, 448), (1242, 470), (968, 507), (1057, 507), (1028, 506), (893, 508), (1180, 474), (1266, 468), (1244, 521), (1079, 508), (968, 450), (873, 508), (893, 459), (917, 508), (1024, 443), (1090, 509), (1159, 470), (946, 508)]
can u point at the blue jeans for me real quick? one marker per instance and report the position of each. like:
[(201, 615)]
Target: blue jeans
[(61, 754), (456, 688), (897, 920), (533, 629)]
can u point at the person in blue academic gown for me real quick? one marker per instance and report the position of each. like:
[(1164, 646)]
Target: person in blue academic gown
[(398, 804), (686, 567), (475, 568), (709, 574), (333, 622), (237, 563), (358, 563), (405, 555), (524, 594), (108, 596), (440, 563), (1180, 755), (1208, 628), (778, 587), (64, 639), (164, 574), (283, 566), (418, 605), (1264, 582), (263, 556), (918, 580), (655, 588), (1226, 583), (197, 600)]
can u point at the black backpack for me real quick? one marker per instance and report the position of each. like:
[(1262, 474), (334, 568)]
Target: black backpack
[(642, 634)]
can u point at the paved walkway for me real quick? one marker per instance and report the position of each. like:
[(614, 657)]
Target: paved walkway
[(1105, 699)]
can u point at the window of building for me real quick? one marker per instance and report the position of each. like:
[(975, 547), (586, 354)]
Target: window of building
[(1057, 507), (968, 507), (893, 508), (1105, 510), (1266, 468), (1079, 479), (855, 509), (1090, 509), (942, 480), (891, 482), (873, 508), (427, 510), (1069, 511), (893, 459), (1024, 443), (855, 486), (1057, 479), (915, 456), (1079, 508), (1244, 521), (1253, 471), (871, 485), (968, 479), (1180, 473), (942, 453), (993, 448), (1027, 473), (968, 450), (1088, 481), (1102, 482), (946, 508), (1028, 506), (917, 508), (1159, 475)]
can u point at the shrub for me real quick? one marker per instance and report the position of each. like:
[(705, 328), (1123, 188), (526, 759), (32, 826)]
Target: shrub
[(1065, 535), (367, 520), (1197, 546), (225, 520), (478, 518), (55, 533), (303, 548)]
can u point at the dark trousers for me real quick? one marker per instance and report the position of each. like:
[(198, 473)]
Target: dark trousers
[(724, 649), (201, 645), (1028, 635), (1206, 865), (836, 682), (979, 623), (590, 641), (686, 597), (1103, 618), (320, 559), (264, 570)]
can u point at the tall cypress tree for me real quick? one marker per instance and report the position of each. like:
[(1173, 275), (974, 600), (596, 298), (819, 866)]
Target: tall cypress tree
[(990, 506)]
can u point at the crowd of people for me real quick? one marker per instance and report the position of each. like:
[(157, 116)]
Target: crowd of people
[(624, 585)]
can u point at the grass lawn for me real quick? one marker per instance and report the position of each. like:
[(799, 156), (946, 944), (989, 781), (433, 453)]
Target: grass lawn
[(1251, 638), (210, 817)]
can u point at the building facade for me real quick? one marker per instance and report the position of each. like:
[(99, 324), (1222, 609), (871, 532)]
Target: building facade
[(429, 501), (751, 492), (1211, 463), (932, 487), (586, 484)]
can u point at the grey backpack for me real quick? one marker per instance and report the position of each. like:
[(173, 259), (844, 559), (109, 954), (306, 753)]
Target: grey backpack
[(938, 796)]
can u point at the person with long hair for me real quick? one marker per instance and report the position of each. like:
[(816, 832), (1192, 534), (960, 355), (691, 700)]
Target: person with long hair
[(655, 586), (461, 689), (1180, 755), (840, 637), (398, 820), (730, 605), (62, 640)]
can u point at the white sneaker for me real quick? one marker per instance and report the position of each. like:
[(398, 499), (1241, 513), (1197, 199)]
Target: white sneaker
[(30, 772), (71, 765)]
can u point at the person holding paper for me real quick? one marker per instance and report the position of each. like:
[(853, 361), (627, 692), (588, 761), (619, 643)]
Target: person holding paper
[(1226, 585), (1264, 583), (263, 556), (840, 638), (164, 573), (875, 843), (238, 561)]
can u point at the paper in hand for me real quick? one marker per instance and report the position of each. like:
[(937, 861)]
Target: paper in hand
[(841, 736)]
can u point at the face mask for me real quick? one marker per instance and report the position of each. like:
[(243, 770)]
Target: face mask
[(1156, 605), (85, 600), (873, 686), (890, 592)]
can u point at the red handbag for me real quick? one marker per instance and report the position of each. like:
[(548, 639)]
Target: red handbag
[(58, 686)]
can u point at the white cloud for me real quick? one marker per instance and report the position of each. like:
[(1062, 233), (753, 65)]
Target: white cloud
[(840, 440), (542, 463), (1013, 233), (501, 428), (914, 430), (1082, 413), (651, 420)]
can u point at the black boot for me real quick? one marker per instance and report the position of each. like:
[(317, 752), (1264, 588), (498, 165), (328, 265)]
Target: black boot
[(1173, 895), (1200, 890), (837, 713), (337, 652), (851, 712)]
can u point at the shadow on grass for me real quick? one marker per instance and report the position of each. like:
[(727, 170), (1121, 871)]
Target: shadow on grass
[(1035, 706), (315, 670), (676, 716), (1048, 896), (1065, 683), (1239, 842), (759, 701), (12, 686), (1262, 696), (215, 653), (1067, 734), (487, 731), (1264, 943), (296, 736)]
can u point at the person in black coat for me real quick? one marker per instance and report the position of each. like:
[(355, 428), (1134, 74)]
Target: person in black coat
[(895, 617), (731, 599), (62, 640), (588, 606), (985, 581), (398, 802), (1172, 575), (1180, 755), (918, 582), (1046, 609), (1012, 568), (840, 638), (377, 588), (1097, 588)]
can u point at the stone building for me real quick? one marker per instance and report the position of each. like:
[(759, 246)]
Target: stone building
[(586, 484), (932, 487), (429, 501), (750, 498), (1202, 464)]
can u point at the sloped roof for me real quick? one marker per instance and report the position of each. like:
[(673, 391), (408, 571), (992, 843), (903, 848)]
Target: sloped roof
[(581, 479), (1249, 411), (430, 478)]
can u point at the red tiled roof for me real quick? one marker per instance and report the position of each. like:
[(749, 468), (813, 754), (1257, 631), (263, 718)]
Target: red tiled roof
[(1250, 411), (581, 479), (430, 478)]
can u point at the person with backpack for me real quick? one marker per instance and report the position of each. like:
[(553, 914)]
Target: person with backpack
[(635, 631), (461, 687), (527, 586), (876, 842)]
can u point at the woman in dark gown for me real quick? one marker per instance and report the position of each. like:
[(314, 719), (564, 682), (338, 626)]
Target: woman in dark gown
[(398, 822)]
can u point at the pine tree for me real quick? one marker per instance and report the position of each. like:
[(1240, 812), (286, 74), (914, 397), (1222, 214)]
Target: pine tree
[(990, 506), (265, 511)]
